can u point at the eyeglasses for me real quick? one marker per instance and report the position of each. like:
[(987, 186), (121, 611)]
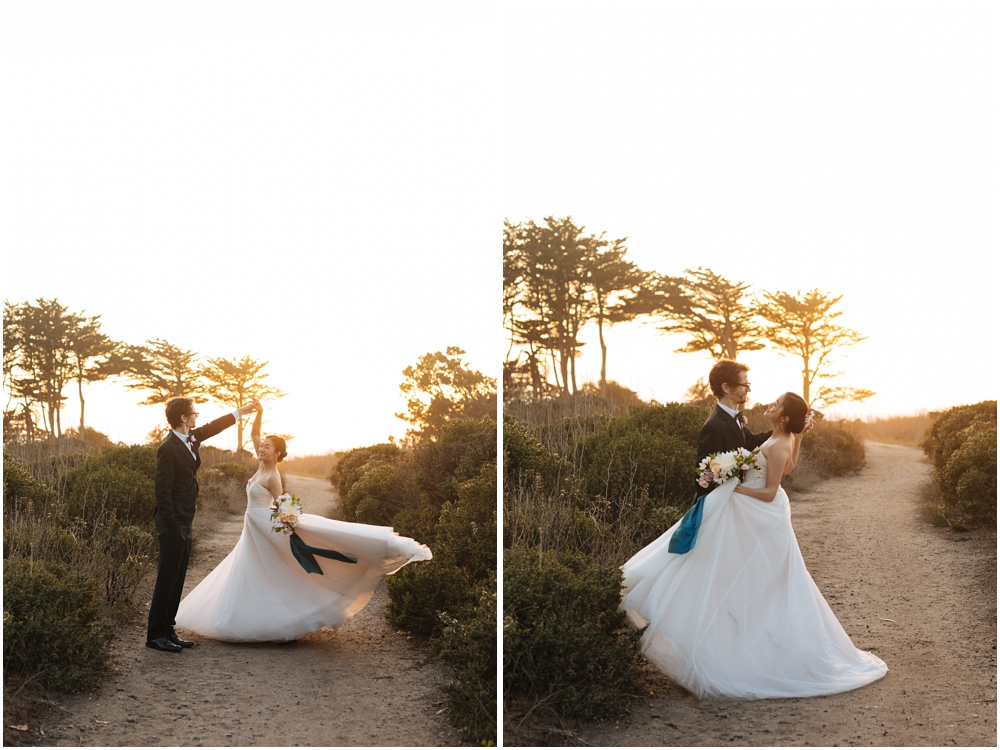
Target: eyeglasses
[(191, 414), (739, 385)]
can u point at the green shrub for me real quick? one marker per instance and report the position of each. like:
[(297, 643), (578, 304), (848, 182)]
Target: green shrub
[(524, 458), (381, 490), (566, 644), (462, 449), (464, 556), (97, 489), (119, 481), (654, 447), (19, 484), (469, 647), (227, 471), (51, 630), (969, 479), (419, 594), (466, 533), (832, 451), (357, 461), (947, 434)]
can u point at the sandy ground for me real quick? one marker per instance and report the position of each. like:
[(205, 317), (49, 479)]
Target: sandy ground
[(920, 597), (364, 684)]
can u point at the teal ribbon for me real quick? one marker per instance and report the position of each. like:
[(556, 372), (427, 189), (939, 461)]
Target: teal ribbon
[(305, 555), (684, 538)]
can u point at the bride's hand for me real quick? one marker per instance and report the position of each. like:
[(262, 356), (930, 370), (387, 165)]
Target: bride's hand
[(739, 483)]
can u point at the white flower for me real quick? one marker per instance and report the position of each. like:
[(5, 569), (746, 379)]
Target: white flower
[(724, 463)]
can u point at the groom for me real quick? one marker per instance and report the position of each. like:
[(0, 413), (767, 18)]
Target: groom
[(724, 430), (176, 487)]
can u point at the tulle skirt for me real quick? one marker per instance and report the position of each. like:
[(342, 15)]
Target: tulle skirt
[(739, 616), (261, 593)]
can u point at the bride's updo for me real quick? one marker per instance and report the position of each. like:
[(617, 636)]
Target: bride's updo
[(795, 408), (279, 446)]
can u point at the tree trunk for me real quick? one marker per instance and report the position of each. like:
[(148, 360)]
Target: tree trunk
[(805, 382), (239, 435), (79, 390), (604, 356), (572, 369)]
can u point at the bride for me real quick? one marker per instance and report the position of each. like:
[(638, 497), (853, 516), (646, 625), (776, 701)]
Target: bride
[(739, 616), (260, 592)]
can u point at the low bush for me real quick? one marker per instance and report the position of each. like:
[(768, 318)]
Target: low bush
[(947, 433), (469, 647), (464, 556), (833, 451), (227, 471), (969, 479), (963, 445), (118, 481), (527, 461), (97, 489), (652, 449), (52, 633), (356, 462), (18, 483), (567, 647), (380, 492)]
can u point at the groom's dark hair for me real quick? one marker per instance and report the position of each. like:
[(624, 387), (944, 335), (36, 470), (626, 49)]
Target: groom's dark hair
[(724, 371), (177, 408)]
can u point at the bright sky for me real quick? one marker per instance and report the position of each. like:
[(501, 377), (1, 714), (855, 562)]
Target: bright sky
[(847, 146), (311, 184)]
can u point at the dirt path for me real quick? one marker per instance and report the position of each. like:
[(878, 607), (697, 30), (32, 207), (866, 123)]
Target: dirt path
[(921, 598), (361, 685)]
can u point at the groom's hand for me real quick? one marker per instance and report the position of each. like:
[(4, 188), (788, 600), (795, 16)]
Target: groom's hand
[(252, 406)]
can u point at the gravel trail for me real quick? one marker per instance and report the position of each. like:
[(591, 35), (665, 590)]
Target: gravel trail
[(363, 684), (920, 597)]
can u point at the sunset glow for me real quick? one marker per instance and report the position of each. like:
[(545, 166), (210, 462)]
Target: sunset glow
[(846, 147), (304, 184)]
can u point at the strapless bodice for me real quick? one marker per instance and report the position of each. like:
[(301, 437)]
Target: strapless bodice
[(757, 477), (258, 496)]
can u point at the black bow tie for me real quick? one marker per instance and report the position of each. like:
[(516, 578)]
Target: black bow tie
[(739, 416)]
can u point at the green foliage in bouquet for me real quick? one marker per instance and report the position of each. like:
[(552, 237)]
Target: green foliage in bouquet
[(567, 647), (51, 626)]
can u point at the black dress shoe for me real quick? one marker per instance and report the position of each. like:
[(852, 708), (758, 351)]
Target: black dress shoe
[(162, 644), (178, 642)]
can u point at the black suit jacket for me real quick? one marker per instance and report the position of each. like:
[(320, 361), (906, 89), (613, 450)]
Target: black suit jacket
[(176, 482), (722, 433)]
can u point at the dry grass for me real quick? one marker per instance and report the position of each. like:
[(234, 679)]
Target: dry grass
[(317, 466)]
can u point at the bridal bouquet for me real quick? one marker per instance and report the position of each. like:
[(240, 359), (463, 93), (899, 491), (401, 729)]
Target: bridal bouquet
[(720, 467), (285, 512)]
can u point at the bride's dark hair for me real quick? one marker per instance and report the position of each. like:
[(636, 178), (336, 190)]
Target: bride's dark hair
[(279, 446), (795, 408)]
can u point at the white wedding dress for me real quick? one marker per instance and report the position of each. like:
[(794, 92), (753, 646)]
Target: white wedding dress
[(261, 593), (739, 616)]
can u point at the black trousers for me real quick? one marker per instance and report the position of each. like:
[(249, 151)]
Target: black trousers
[(175, 551)]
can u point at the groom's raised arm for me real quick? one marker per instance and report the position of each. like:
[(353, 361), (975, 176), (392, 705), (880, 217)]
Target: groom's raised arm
[(215, 426), (218, 425)]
